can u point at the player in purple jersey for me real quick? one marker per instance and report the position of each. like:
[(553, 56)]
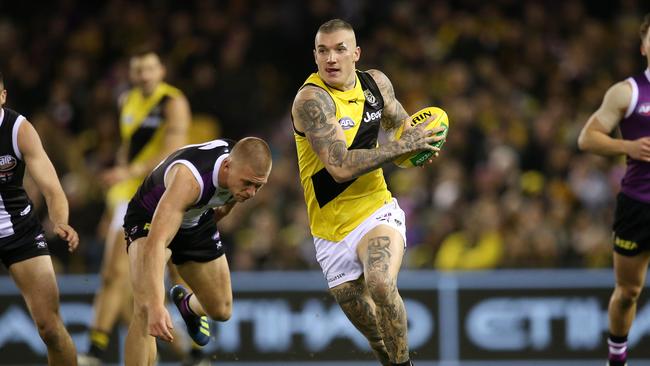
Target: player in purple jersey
[(626, 105), (174, 213)]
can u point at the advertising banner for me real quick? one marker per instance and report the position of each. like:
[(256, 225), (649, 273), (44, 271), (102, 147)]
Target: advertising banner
[(474, 318)]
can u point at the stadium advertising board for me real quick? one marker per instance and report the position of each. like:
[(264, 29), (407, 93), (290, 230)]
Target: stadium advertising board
[(559, 317)]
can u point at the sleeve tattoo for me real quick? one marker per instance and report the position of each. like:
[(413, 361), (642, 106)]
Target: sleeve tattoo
[(316, 111), (394, 113)]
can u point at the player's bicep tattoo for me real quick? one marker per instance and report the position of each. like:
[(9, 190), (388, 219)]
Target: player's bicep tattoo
[(394, 114), (316, 114)]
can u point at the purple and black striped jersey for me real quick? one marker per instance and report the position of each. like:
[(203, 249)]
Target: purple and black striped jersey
[(204, 161)]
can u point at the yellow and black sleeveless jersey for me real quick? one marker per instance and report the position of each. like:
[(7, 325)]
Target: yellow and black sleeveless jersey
[(142, 128), (335, 209)]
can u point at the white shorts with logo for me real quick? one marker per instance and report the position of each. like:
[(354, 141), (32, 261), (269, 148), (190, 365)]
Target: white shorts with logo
[(339, 260)]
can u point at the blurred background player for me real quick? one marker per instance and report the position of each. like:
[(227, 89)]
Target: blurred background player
[(154, 120), (626, 105), (23, 247), (358, 227), (175, 213)]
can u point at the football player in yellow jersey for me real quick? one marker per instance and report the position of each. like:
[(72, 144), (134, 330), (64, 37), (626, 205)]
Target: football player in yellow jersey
[(358, 227), (154, 119)]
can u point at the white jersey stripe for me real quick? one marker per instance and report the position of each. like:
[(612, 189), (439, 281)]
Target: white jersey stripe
[(634, 98), (6, 227), (14, 136), (194, 171)]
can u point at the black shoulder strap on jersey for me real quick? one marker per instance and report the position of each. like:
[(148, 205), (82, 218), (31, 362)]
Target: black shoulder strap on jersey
[(10, 118), (369, 84), (293, 124)]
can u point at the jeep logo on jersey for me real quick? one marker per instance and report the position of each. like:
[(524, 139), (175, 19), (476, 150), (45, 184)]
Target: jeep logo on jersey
[(346, 123), (7, 162), (644, 109), (372, 116), (370, 98)]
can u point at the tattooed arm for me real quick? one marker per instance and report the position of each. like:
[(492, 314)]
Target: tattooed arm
[(314, 113), (394, 115)]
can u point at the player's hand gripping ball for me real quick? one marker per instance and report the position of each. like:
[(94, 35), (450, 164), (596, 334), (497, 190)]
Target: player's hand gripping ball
[(419, 158)]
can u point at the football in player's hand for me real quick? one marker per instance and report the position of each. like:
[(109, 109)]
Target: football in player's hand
[(419, 158)]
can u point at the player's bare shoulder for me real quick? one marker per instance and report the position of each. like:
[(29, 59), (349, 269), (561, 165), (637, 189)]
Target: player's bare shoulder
[(620, 94), (383, 83), (312, 109), (612, 110)]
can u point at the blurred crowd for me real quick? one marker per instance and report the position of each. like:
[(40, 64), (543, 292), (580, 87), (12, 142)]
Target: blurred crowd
[(518, 80)]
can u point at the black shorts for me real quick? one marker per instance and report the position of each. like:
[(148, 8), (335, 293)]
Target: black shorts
[(201, 243), (631, 226), (26, 244)]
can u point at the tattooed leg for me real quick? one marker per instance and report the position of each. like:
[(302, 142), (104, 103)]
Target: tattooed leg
[(381, 254), (355, 301)]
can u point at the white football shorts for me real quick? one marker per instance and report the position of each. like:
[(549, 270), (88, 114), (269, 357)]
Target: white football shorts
[(339, 260)]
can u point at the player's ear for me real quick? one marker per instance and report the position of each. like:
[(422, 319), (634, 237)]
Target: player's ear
[(227, 162), (357, 54), (163, 71)]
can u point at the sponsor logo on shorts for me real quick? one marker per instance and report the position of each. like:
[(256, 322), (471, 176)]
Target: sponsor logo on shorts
[(398, 222), (384, 217), (336, 277), (216, 237), (625, 244), (41, 244), (146, 226), (346, 123), (26, 210)]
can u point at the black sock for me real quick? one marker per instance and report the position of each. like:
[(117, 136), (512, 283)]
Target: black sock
[(196, 351), (98, 343), (406, 363)]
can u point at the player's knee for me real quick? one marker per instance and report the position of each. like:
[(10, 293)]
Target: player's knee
[(220, 311), (628, 295), (115, 275), (381, 288), (112, 279), (51, 330), (140, 311)]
